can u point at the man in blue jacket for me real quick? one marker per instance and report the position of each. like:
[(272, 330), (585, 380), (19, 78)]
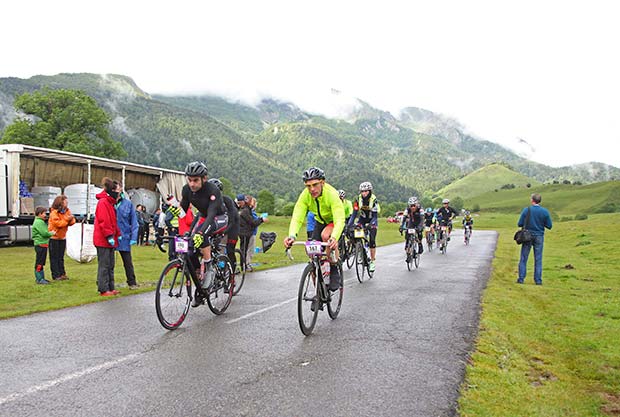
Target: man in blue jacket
[(538, 221), (128, 224)]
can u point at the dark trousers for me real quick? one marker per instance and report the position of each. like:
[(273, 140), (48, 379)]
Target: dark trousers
[(57, 257), (105, 269), (141, 234), (40, 256), (244, 241), (128, 264)]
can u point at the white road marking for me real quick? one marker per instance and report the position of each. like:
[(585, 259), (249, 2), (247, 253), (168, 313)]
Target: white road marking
[(67, 377)]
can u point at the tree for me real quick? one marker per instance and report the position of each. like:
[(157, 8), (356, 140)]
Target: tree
[(476, 208), (228, 187), (457, 203), (68, 120), (426, 202), (266, 201)]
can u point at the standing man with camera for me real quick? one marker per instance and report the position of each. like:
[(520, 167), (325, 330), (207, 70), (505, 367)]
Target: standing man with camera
[(538, 220)]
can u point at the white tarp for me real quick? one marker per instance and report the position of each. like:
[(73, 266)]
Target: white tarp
[(171, 183), (80, 245)]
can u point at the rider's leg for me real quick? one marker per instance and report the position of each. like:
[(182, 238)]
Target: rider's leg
[(334, 273)]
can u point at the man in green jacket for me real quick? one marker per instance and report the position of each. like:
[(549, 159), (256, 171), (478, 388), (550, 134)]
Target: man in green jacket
[(41, 237), (323, 200)]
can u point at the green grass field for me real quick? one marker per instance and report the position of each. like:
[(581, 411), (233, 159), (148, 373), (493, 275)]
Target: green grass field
[(484, 180), (19, 295), (552, 350)]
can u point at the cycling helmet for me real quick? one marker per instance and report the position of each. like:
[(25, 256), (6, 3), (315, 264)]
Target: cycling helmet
[(313, 173), (467, 212), (366, 186), (445, 201), (412, 201), (429, 210), (217, 183), (342, 194), (196, 169)]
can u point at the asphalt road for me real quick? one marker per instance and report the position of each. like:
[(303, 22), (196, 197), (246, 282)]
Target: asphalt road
[(398, 348)]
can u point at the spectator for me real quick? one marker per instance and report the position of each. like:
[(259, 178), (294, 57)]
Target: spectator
[(310, 223), (146, 218), (41, 237), (127, 221), (539, 219), (251, 202), (247, 223), (106, 236), (159, 230), (60, 220), (171, 221), (141, 224)]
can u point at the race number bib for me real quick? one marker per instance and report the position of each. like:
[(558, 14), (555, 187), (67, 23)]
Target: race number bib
[(313, 248), (181, 245), (358, 233)]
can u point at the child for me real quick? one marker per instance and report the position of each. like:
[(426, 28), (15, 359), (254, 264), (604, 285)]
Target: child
[(41, 238)]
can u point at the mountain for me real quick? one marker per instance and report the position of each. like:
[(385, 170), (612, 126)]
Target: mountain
[(486, 179), (269, 144)]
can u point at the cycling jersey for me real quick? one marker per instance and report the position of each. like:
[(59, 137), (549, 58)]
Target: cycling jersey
[(446, 214), (468, 221), (412, 218), (367, 209), (208, 202), (348, 208), (428, 219), (327, 208)]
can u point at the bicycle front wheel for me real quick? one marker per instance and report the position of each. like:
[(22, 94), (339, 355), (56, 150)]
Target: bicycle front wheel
[(360, 255), (239, 272), (172, 297), (221, 290), (308, 302), (416, 259), (335, 297)]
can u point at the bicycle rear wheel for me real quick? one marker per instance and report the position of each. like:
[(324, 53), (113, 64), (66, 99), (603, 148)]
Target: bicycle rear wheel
[(221, 290), (172, 297), (239, 272), (308, 302), (335, 299), (429, 242), (416, 259), (350, 248), (360, 267)]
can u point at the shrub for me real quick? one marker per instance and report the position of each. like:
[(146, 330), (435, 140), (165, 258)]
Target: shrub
[(581, 217), (566, 219), (607, 208), (476, 208)]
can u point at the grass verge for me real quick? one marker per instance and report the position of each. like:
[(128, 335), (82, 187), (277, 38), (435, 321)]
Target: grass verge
[(19, 295), (552, 350)]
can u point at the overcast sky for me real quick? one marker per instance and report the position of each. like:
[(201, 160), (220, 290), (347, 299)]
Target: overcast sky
[(545, 72)]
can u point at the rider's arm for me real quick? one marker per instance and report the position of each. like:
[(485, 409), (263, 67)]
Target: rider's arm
[(299, 213)]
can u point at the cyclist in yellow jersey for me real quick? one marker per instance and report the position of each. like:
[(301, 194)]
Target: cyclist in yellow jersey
[(324, 201)]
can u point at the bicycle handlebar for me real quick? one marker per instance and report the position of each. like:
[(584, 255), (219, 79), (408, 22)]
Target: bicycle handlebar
[(288, 250)]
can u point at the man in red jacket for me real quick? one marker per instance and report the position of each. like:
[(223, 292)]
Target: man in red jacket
[(106, 236)]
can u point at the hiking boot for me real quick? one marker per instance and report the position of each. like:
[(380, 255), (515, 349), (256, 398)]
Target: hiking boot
[(107, 294), (42, 281), (134, 287), (371, 266), (115, 292)]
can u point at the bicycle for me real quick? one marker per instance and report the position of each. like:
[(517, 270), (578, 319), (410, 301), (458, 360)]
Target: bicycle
[(467, 234), (442, 241), (411, 242), (313, 291), (430, 237), (362, 253), (174, 288), (345, 248), (239, 272)]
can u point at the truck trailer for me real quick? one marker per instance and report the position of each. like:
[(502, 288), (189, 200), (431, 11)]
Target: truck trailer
[(51, 170)]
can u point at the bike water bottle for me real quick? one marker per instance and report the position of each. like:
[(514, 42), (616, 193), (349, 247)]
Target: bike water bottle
[(325, 270), (221, 264)]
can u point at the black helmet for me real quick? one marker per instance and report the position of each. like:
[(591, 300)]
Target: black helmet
[(217, 183), (196, 169), (313, 173)]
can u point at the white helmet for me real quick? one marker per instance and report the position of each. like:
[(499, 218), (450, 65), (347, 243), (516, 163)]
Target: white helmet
[(446, 201), (366, 186), (342, 194), (412, 201)]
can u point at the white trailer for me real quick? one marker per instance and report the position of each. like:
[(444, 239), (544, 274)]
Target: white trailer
[(40, 167)]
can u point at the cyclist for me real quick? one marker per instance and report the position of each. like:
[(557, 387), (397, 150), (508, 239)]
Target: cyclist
[(468, 221), (232, 232), (413, 219), (429, 220), (323, 200), (447, 213), (207, 199), (348, 206), (367, 208)]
